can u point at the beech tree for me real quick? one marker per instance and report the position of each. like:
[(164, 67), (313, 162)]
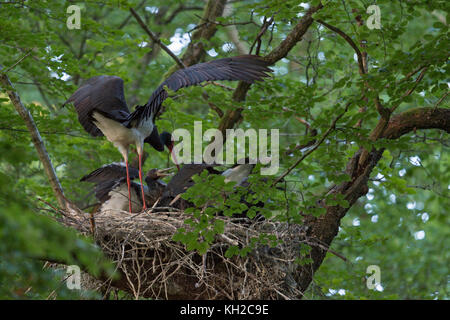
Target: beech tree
[(359, 95)]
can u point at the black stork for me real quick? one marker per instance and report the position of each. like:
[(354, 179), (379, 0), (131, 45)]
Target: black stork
[(111, 186), (102, 109)]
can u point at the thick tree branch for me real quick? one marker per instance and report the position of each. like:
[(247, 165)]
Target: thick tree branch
[(195, 51), (418, 119), (36, 138), (325, 227)]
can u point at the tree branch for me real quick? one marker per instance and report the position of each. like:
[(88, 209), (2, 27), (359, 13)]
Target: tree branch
[(411, 90), (233, 116), (233, 33), (156, 39), (362, 67), (349, 41), (195, 51), (416, 119), (36, 138), (181, 8), (325, 135), (19, 61)]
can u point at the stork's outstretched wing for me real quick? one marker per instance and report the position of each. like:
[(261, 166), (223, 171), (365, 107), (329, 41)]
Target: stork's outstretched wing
[(248, 68), (104, 94), (111, 172)]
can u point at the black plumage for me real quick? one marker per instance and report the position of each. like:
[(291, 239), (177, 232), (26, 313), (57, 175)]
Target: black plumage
[(104, 94), (247, 68), (110, 172)]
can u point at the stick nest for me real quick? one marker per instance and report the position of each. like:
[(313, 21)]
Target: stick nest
[(152, 265)]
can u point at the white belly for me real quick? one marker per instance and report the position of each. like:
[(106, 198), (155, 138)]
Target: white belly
[(122, 136), (114, 131)]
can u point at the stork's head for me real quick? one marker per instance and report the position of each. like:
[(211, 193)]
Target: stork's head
[(166, 139)]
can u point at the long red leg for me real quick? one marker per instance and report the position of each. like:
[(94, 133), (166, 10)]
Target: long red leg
[(142, 185), (129, 189)]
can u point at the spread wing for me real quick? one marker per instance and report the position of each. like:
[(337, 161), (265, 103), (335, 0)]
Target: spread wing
[(111, 172), (101, 93), (103, 189), (248, 68)]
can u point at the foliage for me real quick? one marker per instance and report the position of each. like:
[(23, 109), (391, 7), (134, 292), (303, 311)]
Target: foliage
[(28, 239)]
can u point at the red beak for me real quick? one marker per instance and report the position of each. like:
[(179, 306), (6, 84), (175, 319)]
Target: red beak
[(173, 157)]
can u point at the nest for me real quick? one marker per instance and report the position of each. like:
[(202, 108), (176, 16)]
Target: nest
[(152, 265)]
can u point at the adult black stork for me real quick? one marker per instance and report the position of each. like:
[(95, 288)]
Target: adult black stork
[(102, 109), (111, 187)]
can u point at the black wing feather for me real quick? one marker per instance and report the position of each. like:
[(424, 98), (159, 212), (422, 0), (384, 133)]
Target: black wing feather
[(103, 189), (111, 172), (104, 94), (248, 68)]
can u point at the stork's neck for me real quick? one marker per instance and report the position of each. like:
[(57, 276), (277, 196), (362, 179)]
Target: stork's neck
[(142, 130)]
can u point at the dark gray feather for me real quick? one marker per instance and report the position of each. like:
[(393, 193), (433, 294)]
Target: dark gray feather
[(104, 94)]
